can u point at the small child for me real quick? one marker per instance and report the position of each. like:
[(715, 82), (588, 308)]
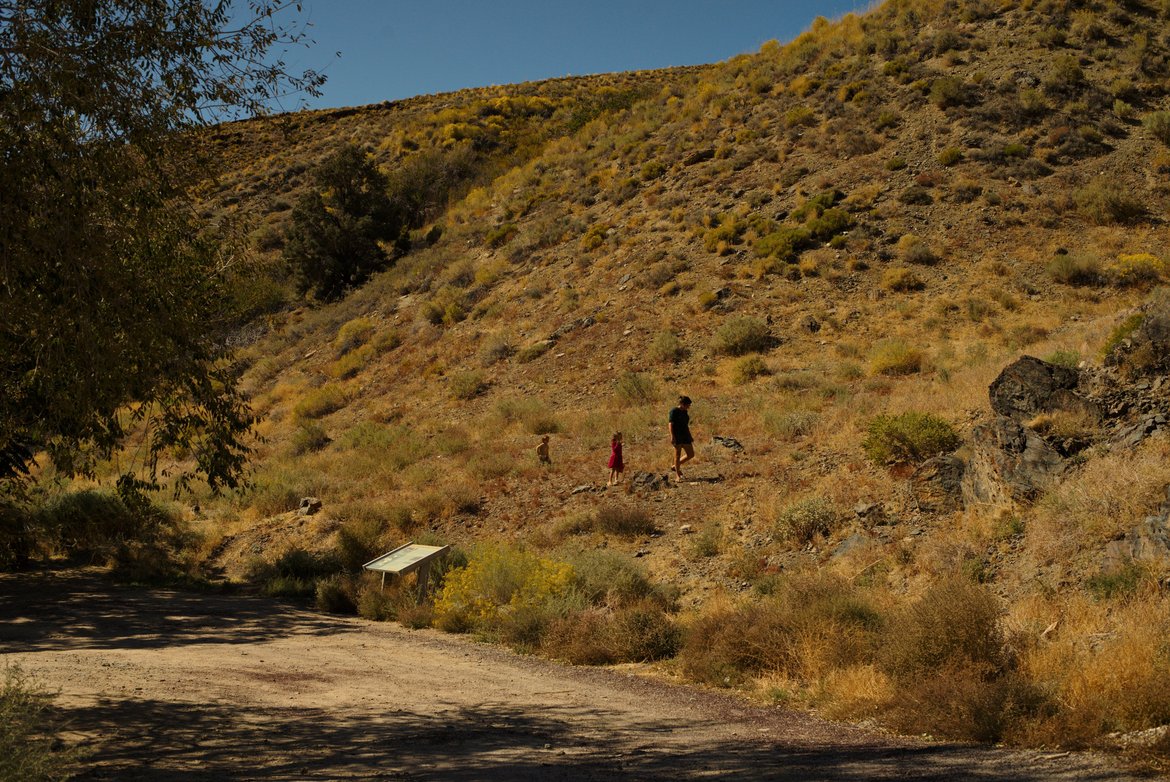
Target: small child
[(542, 451), (616, 465)]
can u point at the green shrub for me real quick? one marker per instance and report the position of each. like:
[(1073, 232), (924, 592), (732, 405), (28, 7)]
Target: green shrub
[(652, 169), (309, 436), (1136, 269), (623, 520), (351, 363), (1104, 201), (896, 164), (950, 156), (29, 750), (802, 521), (503, 584), (1157, 124), (635, 388), (500, 235), (352, 335), (742, 335), (896, 357), (667, 348), (642, 632), (320, 402), (99, 526), (947, 91), (608, 577), (748, 369), (809, 622), (1117, 582), (1064, 358), (1122, 332), (467, 385), (908, 437), (1075, 269)]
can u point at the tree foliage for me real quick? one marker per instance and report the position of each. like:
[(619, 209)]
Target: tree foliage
[(338, 227), (113, 289)]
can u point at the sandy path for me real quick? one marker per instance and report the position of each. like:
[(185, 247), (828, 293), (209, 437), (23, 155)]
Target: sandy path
[(184, 686)]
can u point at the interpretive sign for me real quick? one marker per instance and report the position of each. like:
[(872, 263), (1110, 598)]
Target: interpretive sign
[(409, 558)]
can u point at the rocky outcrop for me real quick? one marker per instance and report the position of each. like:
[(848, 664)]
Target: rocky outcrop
[(937, 484), (1145, 351), (1029, 386), (1009, 463), (1148, 541)]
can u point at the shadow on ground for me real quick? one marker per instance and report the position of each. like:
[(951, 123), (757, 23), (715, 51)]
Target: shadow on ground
[(79, 610), (160, 740)]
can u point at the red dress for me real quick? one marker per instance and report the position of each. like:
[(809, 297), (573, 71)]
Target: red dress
[(615, 458)]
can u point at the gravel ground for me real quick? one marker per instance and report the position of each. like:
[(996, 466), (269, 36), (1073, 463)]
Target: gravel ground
[(162, 684)]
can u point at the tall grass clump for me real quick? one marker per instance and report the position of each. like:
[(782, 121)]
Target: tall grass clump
[(801, 521), (896, 357), (948, 657), (808, 627), (29, 752), (740, 336), (908, 437)]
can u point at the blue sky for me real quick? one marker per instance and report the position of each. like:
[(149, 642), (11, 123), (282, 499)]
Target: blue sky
[(391, 49)]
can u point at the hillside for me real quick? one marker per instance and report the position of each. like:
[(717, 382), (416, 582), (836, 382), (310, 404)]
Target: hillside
[(874, 219)]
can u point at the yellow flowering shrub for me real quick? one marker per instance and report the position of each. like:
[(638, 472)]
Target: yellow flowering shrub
[(499, 581), (1137, 269)]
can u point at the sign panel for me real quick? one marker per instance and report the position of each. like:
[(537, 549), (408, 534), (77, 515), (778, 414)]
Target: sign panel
[(405, 559)]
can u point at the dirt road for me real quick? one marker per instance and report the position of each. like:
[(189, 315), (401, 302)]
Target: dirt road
[(184, 686)]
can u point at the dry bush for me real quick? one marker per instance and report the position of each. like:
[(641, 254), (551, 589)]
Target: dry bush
[(320, 402), (748, 368), (790, 425), (800, 522), (901, 280), (623, 520), (810, 625), (742, 335), (29, 748), (1076, 269), (948, 655), (896, 357)]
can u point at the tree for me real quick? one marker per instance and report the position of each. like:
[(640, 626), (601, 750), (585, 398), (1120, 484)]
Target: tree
[(112, 288), (338, 228)]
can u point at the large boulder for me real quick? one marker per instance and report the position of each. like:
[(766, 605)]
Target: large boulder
[(1029, 386), (1009, 463)]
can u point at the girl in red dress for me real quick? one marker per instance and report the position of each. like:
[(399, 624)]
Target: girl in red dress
[(616, 465)]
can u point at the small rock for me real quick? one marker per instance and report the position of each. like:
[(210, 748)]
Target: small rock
[(686, 529), (581, 489), (309, 506)]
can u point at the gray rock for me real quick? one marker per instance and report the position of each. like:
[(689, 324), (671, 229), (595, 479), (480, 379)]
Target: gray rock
[(728, 442), (309, 506), (858, 541), (809, 323), (1148, 541), (1030, 386), (650, 480), (1009, 463), (937, 484)]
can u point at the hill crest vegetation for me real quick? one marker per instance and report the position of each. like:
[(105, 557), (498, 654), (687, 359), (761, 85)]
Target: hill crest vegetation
[(833, 246)]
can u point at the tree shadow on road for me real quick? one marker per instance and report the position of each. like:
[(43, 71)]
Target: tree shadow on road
[(149, 740), (81, 610)]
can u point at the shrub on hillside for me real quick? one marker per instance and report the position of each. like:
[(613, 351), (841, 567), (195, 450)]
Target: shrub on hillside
[(1075, 269), (742, 335), (320, 402), (1138, 269), (801, 521), (1157, 124), (748, 369), (623, 520), (808, 625), (1103, 201), (908, 437), (896, 357), (501, 585), (667, 348), (635, 388), (352, 335), (901, 280), (309, 436), (467, 385)]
